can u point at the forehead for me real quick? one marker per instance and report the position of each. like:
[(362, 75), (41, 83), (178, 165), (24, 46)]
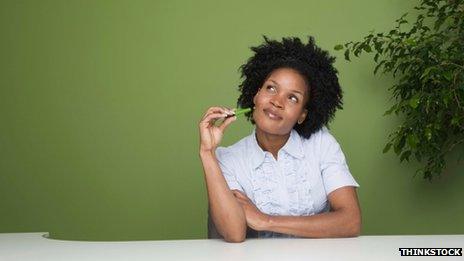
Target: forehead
[(288, 78)]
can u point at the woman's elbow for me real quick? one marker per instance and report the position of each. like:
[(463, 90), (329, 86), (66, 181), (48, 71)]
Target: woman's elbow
[(236, 235), (354, 230), (235, 238)]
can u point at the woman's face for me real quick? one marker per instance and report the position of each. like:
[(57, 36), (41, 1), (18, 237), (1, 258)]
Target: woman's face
[(280, 102)]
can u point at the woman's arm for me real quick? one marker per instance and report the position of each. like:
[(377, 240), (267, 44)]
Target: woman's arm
[(226, 212), (344, 219)]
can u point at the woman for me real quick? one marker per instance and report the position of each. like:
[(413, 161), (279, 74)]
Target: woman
[(289, 178)]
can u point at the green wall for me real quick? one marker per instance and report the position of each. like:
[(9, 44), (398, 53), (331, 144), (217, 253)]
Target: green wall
[(100, 101)]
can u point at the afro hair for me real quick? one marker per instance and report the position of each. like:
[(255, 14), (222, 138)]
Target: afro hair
[(313, 63)]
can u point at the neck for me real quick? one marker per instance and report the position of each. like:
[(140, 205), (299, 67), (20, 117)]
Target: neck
[(271, 142)]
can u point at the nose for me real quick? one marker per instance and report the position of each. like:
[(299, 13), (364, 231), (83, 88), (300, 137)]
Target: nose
[(276, 101)]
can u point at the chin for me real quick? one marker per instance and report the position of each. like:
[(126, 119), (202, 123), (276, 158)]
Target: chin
[(271, 127)]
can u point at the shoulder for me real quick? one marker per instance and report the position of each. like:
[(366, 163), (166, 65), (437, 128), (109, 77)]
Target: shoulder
[(233, 151), (322, 137), (326, 138), (320, 144)]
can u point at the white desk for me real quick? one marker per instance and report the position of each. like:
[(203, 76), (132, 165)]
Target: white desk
[(33, 246)]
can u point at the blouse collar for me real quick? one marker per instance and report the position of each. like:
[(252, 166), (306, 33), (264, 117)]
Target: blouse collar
[(293, 146)]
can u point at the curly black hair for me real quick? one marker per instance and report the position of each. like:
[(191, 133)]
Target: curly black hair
[(313, 63)]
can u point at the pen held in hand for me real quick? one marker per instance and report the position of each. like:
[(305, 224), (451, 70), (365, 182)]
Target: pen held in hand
[(238, 112)]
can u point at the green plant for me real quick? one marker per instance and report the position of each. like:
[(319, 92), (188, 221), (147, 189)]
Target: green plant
[(427, 62)]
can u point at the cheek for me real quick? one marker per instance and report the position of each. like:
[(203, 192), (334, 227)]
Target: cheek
[(261, 99), (294, 114)]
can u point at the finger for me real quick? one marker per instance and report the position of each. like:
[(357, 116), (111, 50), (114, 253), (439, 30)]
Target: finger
[(236, 191), (240, 194), (228, 110), (241, 201), (236, 195), (226, 123), (242, 197), (216, 111), (211, 117), (211, 113), (219, 109), (211, 110)]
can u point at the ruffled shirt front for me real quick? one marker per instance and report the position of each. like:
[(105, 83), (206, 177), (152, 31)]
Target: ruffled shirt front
[(296, 184)]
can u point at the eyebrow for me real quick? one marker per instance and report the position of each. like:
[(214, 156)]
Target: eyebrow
[(290, 90)]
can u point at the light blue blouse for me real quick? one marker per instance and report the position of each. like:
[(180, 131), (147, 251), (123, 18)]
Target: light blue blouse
[(296, 184)]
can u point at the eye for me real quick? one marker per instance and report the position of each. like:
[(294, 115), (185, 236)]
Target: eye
[(294, 99), (270, 88)]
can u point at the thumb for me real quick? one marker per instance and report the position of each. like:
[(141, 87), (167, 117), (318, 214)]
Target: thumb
[(226, 123), (238, 193)]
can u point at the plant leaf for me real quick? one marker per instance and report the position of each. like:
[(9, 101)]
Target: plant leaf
[(387, 147), (377, 67), (414, 101), (412, 140), (405, 156), (367, 48), (347, 54), (389, 111)]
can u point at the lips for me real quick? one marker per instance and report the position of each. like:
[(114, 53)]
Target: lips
[(272, 114)]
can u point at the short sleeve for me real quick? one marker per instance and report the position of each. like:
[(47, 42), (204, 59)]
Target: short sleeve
[(226, 163), (335, 171)]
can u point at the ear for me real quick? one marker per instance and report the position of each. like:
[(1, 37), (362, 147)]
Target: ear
[(302, 116), (254, 97)]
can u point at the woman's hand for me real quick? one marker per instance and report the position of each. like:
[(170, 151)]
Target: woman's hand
[(210, 134), (256, 219)]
